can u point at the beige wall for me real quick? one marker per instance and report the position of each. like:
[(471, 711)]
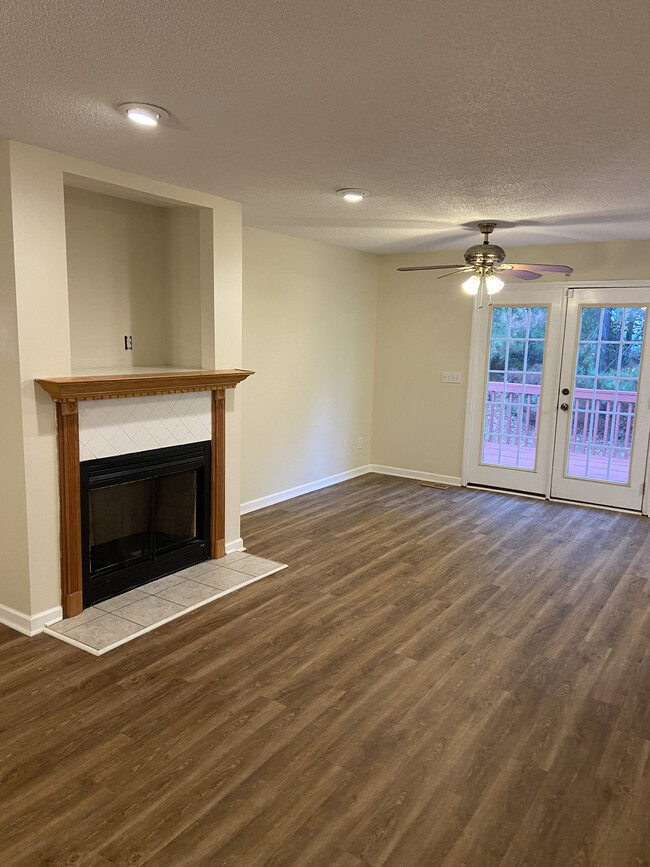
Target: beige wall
[(183, 284), (133, 269), (14, 552), (36, 343), (117, 281), (424, 327), (222, 310), (43, 340), (309, 333)]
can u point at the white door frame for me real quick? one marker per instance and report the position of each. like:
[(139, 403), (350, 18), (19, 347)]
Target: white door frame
[(532, 480), (474, 421)]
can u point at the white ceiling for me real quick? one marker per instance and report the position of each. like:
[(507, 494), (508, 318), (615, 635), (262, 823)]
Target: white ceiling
[(448, 111)]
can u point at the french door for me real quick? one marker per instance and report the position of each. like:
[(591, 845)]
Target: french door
[(515, 392), (560, 403), (603, 421)]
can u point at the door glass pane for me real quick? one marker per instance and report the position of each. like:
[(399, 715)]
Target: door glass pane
[(604, 397), (514, 384)]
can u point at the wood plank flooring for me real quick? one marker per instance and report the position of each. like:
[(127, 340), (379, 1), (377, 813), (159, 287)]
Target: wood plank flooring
[(440, 678)]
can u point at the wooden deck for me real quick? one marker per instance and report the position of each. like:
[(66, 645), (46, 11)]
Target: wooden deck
[(618, 470), (441, 678)]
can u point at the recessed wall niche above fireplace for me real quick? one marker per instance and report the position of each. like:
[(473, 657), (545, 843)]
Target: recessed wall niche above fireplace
[(143, 515)]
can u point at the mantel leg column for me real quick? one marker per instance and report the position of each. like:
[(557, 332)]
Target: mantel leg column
[(67, 425), (218, 473)]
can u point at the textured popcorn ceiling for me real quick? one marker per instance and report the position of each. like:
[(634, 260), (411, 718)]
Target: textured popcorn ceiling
[(449, 111)]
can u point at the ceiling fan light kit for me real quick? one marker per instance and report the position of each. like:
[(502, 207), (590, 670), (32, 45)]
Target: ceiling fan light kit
[(471, 284), (482, 261), (493, 284)]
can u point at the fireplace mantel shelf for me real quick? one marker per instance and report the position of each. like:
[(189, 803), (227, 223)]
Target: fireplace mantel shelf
[(67, 389)]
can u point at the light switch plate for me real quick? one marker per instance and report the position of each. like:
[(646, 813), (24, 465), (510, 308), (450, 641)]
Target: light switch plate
[(451, 376)]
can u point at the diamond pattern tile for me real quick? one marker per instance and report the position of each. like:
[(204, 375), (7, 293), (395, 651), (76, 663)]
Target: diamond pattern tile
[(136, 424)]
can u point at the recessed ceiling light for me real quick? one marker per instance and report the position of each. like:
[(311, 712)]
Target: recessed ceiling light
[(144, 114), (353, 195)]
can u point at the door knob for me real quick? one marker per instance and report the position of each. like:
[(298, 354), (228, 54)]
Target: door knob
[(565, 391), (564, 407)]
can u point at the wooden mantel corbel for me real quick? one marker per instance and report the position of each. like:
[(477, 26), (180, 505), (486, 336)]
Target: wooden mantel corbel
[(68, 391)]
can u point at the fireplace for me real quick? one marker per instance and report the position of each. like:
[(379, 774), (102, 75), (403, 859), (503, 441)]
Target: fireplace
[(66, 393), (143, 516)]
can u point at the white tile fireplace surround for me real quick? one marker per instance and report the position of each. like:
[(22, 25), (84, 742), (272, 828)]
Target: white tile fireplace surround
[(123, 426)]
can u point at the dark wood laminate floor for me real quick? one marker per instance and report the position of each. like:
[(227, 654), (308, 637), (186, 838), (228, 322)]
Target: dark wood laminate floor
[(439, 678)]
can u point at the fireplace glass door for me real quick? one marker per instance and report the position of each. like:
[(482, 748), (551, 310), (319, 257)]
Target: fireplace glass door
[(175, 522), (146, 516), (132, 520), (120, 524)]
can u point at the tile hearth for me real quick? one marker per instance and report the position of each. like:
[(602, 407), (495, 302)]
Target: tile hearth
[(111, 623)]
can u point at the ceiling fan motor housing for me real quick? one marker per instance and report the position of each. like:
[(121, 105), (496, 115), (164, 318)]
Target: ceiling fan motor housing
[(485, 255)]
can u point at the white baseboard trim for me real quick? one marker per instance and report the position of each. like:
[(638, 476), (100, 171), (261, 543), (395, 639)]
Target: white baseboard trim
[(237, 545), (290, 493), (455, 481), (29, 625)]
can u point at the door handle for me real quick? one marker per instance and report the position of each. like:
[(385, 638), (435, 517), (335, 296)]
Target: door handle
[(564, 407)]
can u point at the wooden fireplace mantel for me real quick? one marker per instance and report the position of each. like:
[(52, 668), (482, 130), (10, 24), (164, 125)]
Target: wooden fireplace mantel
[(68, 391), (72, 388)]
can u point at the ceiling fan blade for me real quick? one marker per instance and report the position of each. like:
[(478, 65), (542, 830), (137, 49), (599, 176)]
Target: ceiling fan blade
[(562, 269), (522, 274), (459, 271), (431, 267)]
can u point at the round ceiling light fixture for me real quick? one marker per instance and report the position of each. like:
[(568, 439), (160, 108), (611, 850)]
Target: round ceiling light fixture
[(353, 195), (143, 113)]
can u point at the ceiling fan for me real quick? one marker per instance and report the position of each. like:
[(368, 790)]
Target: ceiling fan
[(485, 261)]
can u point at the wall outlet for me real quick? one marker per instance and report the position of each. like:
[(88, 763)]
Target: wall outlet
[(360, 443), (128, 341), (451, 376)]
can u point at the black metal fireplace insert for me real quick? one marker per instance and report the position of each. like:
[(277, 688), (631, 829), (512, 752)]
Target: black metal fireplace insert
[(143, 516)]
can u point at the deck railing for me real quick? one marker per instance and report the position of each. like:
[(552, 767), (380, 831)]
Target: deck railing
[(602, 418)]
